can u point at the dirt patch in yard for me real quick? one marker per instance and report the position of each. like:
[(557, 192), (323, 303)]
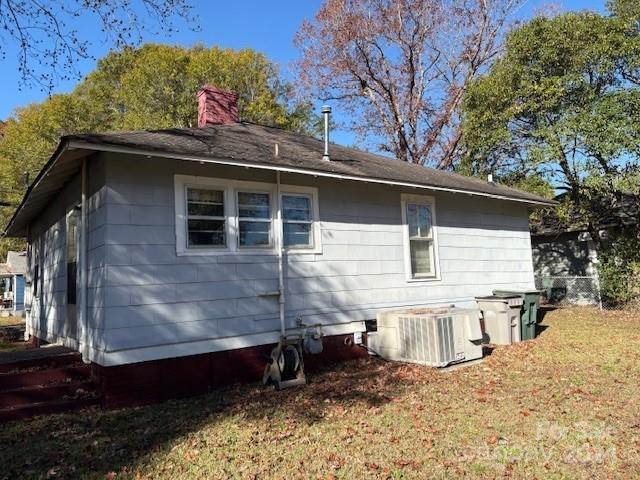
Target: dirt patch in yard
[(562, 406)]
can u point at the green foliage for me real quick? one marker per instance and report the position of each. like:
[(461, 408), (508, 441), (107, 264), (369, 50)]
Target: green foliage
[(619, 269), (562, 106), (152, 87), (559, 100)]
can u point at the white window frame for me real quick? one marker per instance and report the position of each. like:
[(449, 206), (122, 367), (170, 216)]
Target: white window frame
[(224, 216), (231, 189), (435, 261), (271, 221), (182, 182), (316, 234)]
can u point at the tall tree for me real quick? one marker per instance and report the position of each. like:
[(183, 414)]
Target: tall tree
[(45, 32), (400, 68), (154, 87), (564, 104), (150, 87)]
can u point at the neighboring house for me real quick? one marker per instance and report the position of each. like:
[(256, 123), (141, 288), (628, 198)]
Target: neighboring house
[(12, 278), (566, 253), (178, 283), (565, 257), (564, 247)]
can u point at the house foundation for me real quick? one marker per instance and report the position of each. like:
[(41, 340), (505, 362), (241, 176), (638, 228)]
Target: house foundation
[(159, 380)]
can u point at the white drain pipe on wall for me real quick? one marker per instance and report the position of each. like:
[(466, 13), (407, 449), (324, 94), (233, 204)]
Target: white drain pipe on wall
[(280, 246)]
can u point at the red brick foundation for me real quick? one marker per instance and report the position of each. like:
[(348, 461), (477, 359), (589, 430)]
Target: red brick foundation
[(155, 381)]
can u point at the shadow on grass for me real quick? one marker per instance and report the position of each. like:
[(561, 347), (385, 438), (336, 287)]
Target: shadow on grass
[(91, 443), (540, 329), (543, 311)]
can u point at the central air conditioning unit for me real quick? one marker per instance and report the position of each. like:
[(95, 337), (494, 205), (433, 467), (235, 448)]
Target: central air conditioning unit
[(435, 337)]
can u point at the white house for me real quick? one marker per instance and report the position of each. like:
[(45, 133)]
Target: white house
[(175, 259)]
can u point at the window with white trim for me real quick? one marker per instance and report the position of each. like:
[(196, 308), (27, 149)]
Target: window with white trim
[(420, 239), (220, 216), (254, 219), (297, 220), (206, 221)]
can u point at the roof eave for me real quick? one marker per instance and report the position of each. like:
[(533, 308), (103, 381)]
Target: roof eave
[(74, 144), (15, 228), (11, 230)]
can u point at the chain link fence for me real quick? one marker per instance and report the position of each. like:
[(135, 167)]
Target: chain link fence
[(571, 290)]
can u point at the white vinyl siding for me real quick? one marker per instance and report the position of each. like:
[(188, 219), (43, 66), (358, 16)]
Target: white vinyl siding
[(158, 304)]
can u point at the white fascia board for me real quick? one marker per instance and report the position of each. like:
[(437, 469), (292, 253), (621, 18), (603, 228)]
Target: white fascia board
[(301, 171)]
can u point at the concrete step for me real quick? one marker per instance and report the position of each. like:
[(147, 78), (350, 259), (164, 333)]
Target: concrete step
[(43, 408), (11, 381), (45, 393)]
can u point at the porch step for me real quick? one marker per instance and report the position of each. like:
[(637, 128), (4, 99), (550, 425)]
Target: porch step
[(58, 360), (45, 393), (10, 381), (41, 408)]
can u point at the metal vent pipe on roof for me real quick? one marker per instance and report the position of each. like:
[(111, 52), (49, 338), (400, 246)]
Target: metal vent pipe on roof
[(326, 112)]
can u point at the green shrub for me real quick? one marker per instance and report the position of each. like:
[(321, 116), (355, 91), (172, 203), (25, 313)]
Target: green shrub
[(619, 268)]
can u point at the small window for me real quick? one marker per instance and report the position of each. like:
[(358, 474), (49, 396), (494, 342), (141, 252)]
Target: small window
[(72, 255), (36, 279), (254, 219), (418, 215), (297, 221), (206, 223)]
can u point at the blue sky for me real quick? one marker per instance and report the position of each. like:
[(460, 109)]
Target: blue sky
[(267, 26)]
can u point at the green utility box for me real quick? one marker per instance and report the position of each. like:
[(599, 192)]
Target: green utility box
[(529, 314)]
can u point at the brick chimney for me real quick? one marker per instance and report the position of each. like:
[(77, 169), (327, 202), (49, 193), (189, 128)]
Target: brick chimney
[(216, 106)]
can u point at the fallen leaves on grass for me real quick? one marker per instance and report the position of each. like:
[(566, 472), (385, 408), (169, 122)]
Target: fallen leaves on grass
[(563, 405)]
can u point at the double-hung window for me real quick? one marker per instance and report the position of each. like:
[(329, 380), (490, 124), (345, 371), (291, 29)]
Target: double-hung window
[(217, 216), (254, 219), (206, 221), (420, 238), (297, 220)]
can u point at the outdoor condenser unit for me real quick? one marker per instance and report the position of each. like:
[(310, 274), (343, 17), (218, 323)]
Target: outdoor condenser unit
[(436, 337)]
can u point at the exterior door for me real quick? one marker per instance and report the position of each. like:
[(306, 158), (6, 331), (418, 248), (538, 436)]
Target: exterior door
[(72, 238)]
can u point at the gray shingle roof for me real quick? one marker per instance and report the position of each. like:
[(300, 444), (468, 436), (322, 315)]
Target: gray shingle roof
[(254, 145)]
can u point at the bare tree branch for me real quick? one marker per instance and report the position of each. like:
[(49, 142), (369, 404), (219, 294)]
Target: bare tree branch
[(400, 68), (49, 45)]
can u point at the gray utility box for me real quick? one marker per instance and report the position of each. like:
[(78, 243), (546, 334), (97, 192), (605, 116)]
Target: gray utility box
[(501, 318)]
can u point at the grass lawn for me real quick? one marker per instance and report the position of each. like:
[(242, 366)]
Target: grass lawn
[(565, 405), (4, 321)]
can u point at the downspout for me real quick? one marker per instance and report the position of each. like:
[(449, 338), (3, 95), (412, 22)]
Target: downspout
[(84, 324), (280, 247)]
